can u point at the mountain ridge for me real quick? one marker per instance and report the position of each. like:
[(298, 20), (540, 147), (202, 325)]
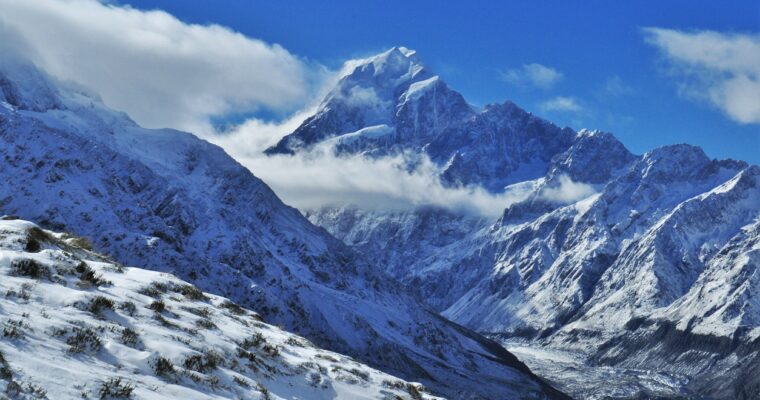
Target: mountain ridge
[(595, 246)]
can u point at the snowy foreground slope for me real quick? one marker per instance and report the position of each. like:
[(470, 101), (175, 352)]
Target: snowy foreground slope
[(166, 200), (77, 325), (651, 268)]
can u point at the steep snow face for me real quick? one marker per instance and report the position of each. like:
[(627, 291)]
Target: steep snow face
[(165, 200), (612, 248), (21, 88), (660, 266), (413, 245), (711, 333), (420, 114), (97, 328)]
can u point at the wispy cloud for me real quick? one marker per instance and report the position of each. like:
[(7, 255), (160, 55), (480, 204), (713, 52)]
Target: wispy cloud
[(720, 68), (534, 74), (614, 86), (567, 191), (319, 177), (162, 71), (561, 103)]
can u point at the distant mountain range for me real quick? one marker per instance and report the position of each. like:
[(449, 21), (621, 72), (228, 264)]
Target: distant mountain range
[(652, 266)]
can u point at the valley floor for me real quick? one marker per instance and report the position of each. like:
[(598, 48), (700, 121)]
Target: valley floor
[(570, 372)]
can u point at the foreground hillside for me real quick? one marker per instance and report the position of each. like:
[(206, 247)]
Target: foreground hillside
[(78, 325)]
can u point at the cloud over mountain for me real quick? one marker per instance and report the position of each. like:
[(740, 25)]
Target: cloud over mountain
[(162, 71)]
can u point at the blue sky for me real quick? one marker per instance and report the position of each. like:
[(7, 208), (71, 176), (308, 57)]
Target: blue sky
[(595, 45)]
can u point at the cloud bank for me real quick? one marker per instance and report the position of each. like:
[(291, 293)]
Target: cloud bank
[(534, 74), (162, 71), (319, 177), (722, 69), (561, 103)]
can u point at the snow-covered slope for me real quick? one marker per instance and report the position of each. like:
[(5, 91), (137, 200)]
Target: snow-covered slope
[(77, 325), (651, 267), (166, 200)]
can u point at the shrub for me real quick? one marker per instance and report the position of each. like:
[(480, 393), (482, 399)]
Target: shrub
[(155, 289), (128, 307), (34, 239), (163, 367), (203, 312), (415, 391), (359, 373), (5, 369), (87, 277), (35, 391), (12, 332), (84, 340), (165, 322), (100, 303), (272, 351), (236, 309), (202, 363), (13, 389), (243, 353), (23, 294), (12, 329), (241, 382), (192, 292), (205, 324), (264, 391), (157, 306), (30, 268), (81, 242), (254, 341), (116, 389), (129, 337)]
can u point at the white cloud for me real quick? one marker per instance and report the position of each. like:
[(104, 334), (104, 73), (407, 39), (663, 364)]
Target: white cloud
[(614, 86), (561, 103), (567, 191), (721, 68), (533, 74), (318, 178), (162, 71)]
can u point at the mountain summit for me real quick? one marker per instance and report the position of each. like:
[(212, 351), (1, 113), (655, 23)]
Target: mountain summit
[(391, 103)]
